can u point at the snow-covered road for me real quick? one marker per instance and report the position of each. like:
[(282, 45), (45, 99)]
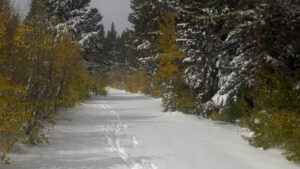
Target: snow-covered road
[(129, 131)]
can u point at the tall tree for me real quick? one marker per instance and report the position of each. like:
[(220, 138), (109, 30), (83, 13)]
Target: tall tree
[(92, 45), (111, 47), (85, 25), (170, 67), (170, 64), (144, 19)]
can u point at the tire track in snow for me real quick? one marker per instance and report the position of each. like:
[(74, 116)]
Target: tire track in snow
[(114, 141)]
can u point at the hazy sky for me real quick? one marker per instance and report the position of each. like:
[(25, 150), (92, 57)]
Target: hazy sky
[(112, 10)]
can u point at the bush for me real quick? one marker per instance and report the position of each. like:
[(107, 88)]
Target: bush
[(186, 98), (276, 122), (99, 88), (138, 82), (238, 110), (168, 98)]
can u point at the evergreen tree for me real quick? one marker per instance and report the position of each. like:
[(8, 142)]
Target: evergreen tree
[(63, 11), (275, 119), (36, 10), (93, 50), (144, 19), (220, 45), (125, 53), (83, 24), (92, 45), (91, 22), (74, 16), (111, 47)]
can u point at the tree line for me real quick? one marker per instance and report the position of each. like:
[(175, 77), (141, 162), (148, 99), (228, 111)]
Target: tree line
[(44, 66), (235, 61), (231, 60)]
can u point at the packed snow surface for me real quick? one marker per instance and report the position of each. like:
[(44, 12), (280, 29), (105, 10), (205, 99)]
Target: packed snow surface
[(129, 131)]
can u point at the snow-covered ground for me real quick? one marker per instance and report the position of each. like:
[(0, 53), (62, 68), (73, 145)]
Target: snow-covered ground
[(129, 131)]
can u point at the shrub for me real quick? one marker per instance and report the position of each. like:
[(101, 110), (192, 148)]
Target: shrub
[(238, 110), (276, 122), (186, 98)]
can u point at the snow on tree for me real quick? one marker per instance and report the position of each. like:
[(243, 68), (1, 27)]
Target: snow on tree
[(111, 49), (219, 41), (144, 18), (84, 25)]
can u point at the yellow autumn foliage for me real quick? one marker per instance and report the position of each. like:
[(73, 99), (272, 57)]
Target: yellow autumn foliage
[(276, 120), (170, 66), (12, 111), (138, 82), (169, 51), (40, 73)]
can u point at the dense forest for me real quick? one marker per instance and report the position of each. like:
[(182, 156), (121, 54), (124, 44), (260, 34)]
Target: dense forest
[(229, 60)]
